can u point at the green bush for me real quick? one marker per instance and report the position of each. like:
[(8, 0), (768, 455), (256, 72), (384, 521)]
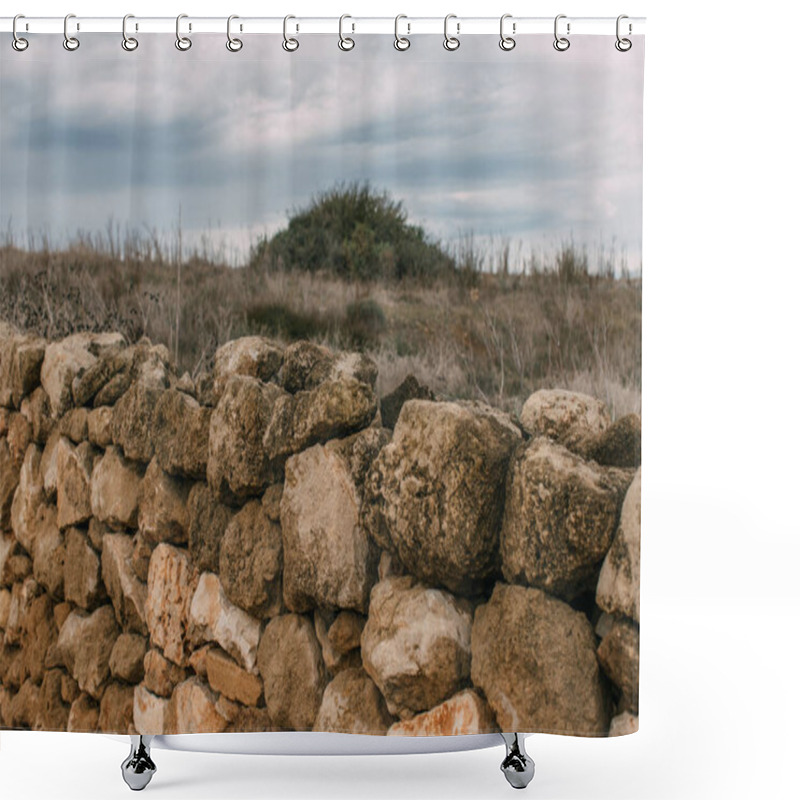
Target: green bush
[(364, 323)]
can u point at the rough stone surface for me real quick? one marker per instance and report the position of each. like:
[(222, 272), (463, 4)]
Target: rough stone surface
[(228, 678), (392, 403), (565, 417), (352, 703), (623, 724), (192, 709), (618, 585), (163, 509), (53, 712), (63, 362), (127, 658), (618, 655), (116, 490), (75, 425), (250, 561), (437, 489), (132, 423), (252, 720), (306, 365), (74, 466), (48, 467), (38, 634), (180, 434), (28, 496), (335, 660), (83, 715), (534, 659), (20, 365), (253, 356), (171, 581), (9, 480), (208, 520), (36, 410), (291, 666), (87, 384), (463, 713), (48, 551), (345, 631), (560, 517), (160, 675), (19, 436), (98, 426), (416, 644), (116, 709), (149, 711), (82, 584), (215, 618), (619, 445), (127, 593)]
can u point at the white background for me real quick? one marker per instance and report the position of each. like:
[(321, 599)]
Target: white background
[(720, 599)]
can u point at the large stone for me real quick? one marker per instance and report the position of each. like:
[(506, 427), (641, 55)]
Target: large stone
[(29, 495), (352, 703), (180, 434), (253, 356), (533, 657), (87, 384), (160, 675), (83, 715), (19, 436), (85, 644), (228, 678), (48, 467), (618, 655), (116, 709), (36, 410), (171, 581), (438, 488), (618, 585), (75, 425), (128, 594), (208, 520), (20, 365), (192, 709), (149, 712), (392, 403), (290, 664), (619, 445), (98, 426), (560, 517), (163, 514), (214, 618), (250, 561), (345, 631), (252, 720), (306, 365), (416, 644), (82, 584), (53, 711), (23, 595), (48, 551), (462, 714), (24, 706), (116, 490), (74, 466), (565, 417), (132, 423), (329, 560), (9, 480), (39, 633), (335, 659), (127, 658)]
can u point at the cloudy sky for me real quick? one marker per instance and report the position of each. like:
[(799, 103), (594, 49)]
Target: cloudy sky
[(531, 146)]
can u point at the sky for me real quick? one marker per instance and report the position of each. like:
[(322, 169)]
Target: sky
[(530, 147)]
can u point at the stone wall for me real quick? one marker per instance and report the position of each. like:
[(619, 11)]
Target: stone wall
[(272, 547)]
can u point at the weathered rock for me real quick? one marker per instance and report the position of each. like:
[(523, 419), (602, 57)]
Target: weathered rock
[(438, 490), (560, 517), (534, 659), (86, 385), (48, 467), (618, 655), (619, 445), (48, 551), (19, 436), (82, 584), (160, 675), (53, 712), (70, 691), (335, 660), (9, 480), (151, 365), (85, 644), (98, 426), (345, 631), (5, 602), (116, 709), (114, 389), (127, 658), (23, 593), (208, 520), (463, 714), (132, 422), (36, 410), (250, 561), (24, 706), (171, 582), (253, 356), (163, 515), (140, 559), (29, 495), (116, 490), (352, 703), (215, 618), (17, 568), (180, 434), (306, 365), (192, 709), (149, 712), (74, 465), (416, 644), (390, 566), (290, 664), (566, 417), (75, 425), (128, 594), (623, 724), (38, 634), (20, 364), (618, 585), (392, 403), (252, 720), (198, 658), (228, 678), (83, 715)]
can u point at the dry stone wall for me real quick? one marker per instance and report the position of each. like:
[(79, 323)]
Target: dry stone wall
[(273, 547)]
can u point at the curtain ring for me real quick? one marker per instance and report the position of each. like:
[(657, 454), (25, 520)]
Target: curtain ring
[(183, 43), (18, 43), (70, 42), (623, 45), (233, 44), (128, 42), (401, 42), (345, 42), (451, 42), (289, 44), (507, 42), (561, 43)]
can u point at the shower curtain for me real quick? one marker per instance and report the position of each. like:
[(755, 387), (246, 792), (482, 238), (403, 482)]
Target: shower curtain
[(320, 383)]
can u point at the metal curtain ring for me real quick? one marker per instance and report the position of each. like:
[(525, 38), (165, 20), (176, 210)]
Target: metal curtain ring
[(561, 43), (18, 43), (507, 42), (70, 42), (451, 42), (233, 44), (290, 44), (345, 42), (401, 42), (623, 45), (128, 42), (183, 43)]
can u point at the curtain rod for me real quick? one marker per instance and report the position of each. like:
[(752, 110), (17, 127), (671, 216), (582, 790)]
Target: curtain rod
[(461, 26)]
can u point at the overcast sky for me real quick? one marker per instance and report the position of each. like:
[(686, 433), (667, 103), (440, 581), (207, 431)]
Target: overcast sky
[(533, 145)]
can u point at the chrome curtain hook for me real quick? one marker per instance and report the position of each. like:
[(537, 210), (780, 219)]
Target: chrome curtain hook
[(290, 44), (233, 44), (183, 43), (401, 42), (345, 42), (17, 42), (128, 42), (70, 42), (451, 42), (623, 45), (561, 43), (507, 42)]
